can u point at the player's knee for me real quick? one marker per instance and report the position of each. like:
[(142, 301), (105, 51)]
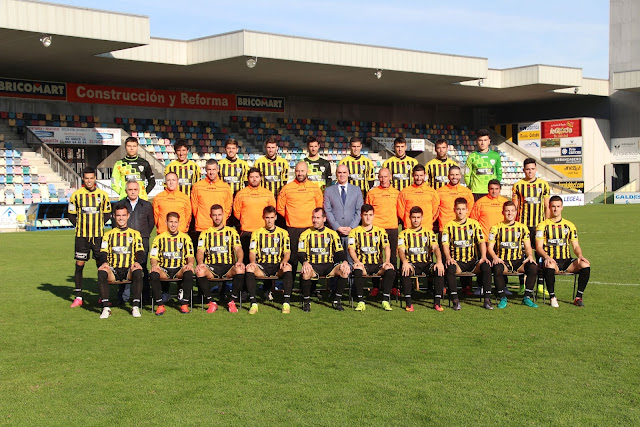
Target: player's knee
[(103, 276), (287, 267), (154, 275), (137, 273), (103, 268), (498, 268), (240, 269), (250, 268)]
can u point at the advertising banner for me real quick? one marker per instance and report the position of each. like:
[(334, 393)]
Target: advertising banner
[(571, 185), (571, 151), (259, 103), (571, 142), (575, 160), (77, 136), (572, 199), (18, 88), (625, 150), (9, 215), (529, 138), (562, 129), (570, 171), (626, 198), (416, 144)]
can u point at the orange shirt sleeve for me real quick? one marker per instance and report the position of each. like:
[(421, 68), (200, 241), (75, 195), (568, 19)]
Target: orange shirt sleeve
[(470, 201), (194, 199), (228, 204), (435, 206), (282, 201), (319, 197), (401, 205), (237, 205), (188, 212), (475, 214)]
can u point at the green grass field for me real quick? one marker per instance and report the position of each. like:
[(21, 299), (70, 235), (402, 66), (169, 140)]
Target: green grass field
[(518, 366)]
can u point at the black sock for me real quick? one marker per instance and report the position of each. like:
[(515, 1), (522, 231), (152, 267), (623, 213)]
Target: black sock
[(287, 284), (359, 283), (531, 270), (387, 282), (550, 280), (156, 287), (341, 283), (451, 281), (103, 288), (77, 278), (583, 279), (238, 281), (250, 281), (203, 288), (187, 287), (438, 285), (136, 287), (305, 284)]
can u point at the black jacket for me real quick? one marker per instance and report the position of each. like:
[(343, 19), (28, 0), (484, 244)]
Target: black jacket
[(141, 218)]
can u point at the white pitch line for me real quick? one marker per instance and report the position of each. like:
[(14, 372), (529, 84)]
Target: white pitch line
[(617, 284)]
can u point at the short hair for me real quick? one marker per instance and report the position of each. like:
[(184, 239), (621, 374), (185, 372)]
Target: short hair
[(556, 199), (507, 204), (173, 215), (366, 208), (311, 139), (270, 140), (211, 162), (180, 143), (88, 169), (216, 207), (254, 170), (355, 139), (170, 173), (230, 141), (494, 182), (441, 141), (460, 201), (399, 140), (131, 139), (453, 167), (324, 214), (481, 133), (415, 209), (529, 160), (268, 210), (119, 206), (132, 181), (418, 168)]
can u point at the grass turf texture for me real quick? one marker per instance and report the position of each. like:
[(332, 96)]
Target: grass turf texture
[(517, 366)]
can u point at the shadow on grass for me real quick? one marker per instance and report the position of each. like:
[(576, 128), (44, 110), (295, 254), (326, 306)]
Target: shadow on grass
[(65, 292)]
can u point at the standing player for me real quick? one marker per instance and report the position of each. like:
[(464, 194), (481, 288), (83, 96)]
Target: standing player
[(187, 171), (208, 192), (418, 194), (416, 247), (269, 253), (219, 255), (319, 168), (448, 194), (171, 200), (553, 236), (322, 254), (274, 169), (89, 209), (370, 251), (482, 166), (360, 167), (121, 253), (400, 166), (438, 168), (464, 247), (172, 258), (506, 240), (132, 168), (233, 170)]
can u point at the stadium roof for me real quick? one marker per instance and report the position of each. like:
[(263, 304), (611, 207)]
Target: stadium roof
[(101, 47)]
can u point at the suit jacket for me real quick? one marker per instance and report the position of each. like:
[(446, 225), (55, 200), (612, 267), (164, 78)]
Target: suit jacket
[(339, 214), (141, 218)]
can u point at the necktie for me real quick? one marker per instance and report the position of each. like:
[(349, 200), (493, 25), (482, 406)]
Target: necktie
[(343, 194)]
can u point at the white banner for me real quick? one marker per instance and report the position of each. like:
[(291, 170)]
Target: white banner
[(529, 138), (575, 141), (626, 198), (416, 144), (77, 136), (9, 215), (625, 150), (572, 199)]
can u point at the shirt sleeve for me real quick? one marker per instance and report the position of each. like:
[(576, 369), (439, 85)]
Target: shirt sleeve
[(116, 179), (480, 234), (153, 252), (468, 166), (151, 179), (492, 233)]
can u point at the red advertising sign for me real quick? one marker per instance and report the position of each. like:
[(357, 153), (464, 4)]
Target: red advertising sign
[(138, 97), (562, 129)]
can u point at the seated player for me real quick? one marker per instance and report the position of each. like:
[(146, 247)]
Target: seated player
[(552, 243), (322, 254), (462, 242), (171, 257), (370, 251), (121, 253), (416, 247), (219, 255), (269, 252), (506, 240)]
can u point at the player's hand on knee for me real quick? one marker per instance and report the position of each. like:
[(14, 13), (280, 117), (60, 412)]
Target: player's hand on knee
[(104, 267), (285, 266), (188, 267), (136, 266), (200, 269), (407, 269)]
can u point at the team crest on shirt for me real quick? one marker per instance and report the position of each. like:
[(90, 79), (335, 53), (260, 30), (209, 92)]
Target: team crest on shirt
[(565, 231), (470, 232), (238, 171), (279, 169), (226, 239), (322, 168), (363, 167), (539, 190), (425, 239), (518, 234), (190, 173), (276, 240), (375, 239), (492, 161), (180, 244), (141, 168), (327, 240), (129, 239)]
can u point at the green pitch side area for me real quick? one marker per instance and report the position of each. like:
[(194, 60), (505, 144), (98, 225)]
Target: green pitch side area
[(517, 366)]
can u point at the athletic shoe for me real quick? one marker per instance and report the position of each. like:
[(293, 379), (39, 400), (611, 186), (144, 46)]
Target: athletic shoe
[(541, 289), (338, 306), (361, 306), (212, 307), (135, 311), (409, 308), (184, 309), (507, 292), (578, 302), (232, 307), (487, 304), (253, 309), (503, 302), (467, 291), (529, 302), (106, 312), (438, 307), (306, 307), (554, 302), (374, 292), (286, 308), (160, 310), (166, 297), (386, 306), (395, 292), (457, 306), (477, 292), (77, 302), (268, 296)]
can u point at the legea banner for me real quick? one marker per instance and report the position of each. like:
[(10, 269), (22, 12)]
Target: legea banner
[(77, 136)]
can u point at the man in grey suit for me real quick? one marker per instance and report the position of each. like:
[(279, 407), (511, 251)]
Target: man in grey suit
[(342, 202)]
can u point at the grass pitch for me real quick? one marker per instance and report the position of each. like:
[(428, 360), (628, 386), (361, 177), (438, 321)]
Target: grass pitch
[(514, 366)]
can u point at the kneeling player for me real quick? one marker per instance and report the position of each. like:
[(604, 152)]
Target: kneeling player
[(121, 253), (220, 255), (506, 240), (322, 254), (172, 258), (369, 248), (269, 252), (416, 247), (462, 241), (552, 243)]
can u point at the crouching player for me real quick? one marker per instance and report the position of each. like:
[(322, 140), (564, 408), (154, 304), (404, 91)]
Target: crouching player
[(219, 256), (416, 247), (322, 254), (506, 240), (121, 253), (171, 257)]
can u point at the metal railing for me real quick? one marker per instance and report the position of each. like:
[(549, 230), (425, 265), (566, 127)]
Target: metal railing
[(58, 165)]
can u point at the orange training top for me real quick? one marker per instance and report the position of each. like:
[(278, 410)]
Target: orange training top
[(448, 194), (423, 196), (384, 202), (206, 193), (171, 201), (488, 212), (297, 200), (249, 204)]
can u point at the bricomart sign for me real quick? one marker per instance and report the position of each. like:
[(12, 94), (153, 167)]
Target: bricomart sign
[(16, 88), (258, 103)]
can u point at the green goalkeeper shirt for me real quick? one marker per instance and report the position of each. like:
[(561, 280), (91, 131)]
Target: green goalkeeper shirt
[(482, 168)]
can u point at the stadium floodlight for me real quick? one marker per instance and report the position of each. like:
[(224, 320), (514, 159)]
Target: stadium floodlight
[(252, 61), (378, 73), (481, 82), (45, 40), (576, 89)]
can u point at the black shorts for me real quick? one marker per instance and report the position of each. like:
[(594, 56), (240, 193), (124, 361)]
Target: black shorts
[(372, 269), (120, 273), (219, 270), (323, 269), (269, 269), (564, 264), (469, 266), (84, 246), (171, 272), (512, 266), (422, 268)]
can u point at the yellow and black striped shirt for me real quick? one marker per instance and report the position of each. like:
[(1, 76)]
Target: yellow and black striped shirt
[(400, 171), (234, 173), (275, 173), (463, 239), (171, 251), (530, 196), (509, 240), (438, 172), (121, 247), (219, 244), (361, 172), (417, 244), (188, 174), (90, 208), (269, 246), (556, 237), (369, 245), (320, 246)]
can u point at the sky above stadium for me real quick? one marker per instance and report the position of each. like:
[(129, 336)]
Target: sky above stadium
[(571, 33)]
